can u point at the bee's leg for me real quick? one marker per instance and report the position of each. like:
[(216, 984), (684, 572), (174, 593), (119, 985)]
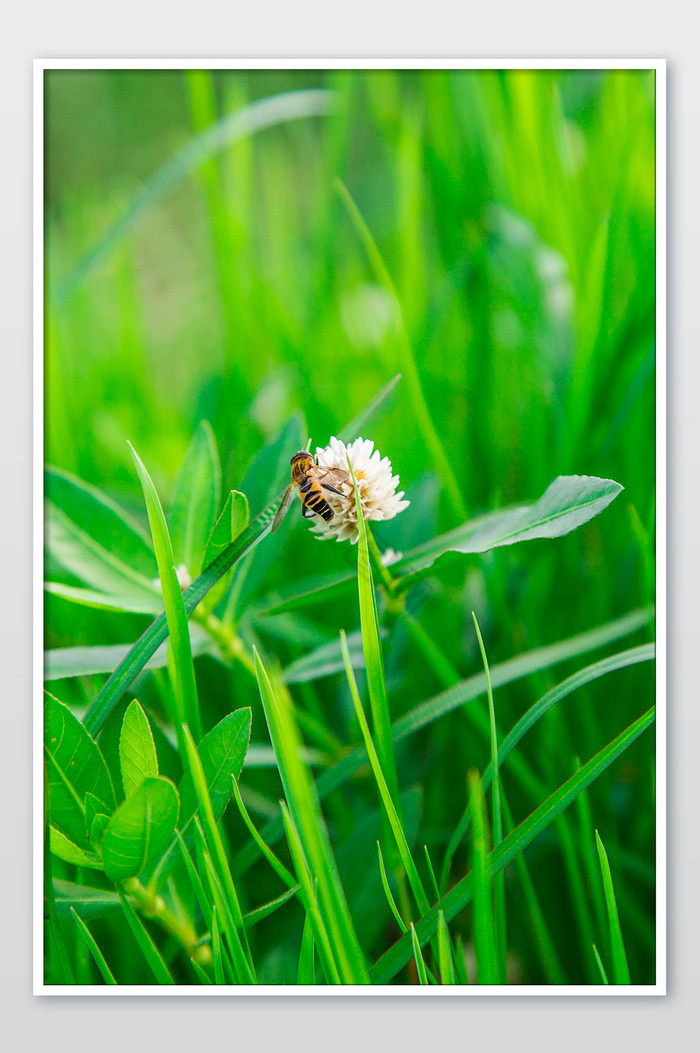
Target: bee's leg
[(327, 486)]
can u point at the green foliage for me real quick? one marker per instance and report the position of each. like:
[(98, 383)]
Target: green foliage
[(461, 264)]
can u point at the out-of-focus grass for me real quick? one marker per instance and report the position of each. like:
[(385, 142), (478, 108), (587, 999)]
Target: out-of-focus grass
[(515, 213)]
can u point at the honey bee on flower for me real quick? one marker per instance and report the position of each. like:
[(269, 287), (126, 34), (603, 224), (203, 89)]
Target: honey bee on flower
[(325, 487)]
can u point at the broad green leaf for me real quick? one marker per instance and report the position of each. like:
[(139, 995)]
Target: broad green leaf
[(74, 547), (157, 632), (110, 525), (137, 602), (137, 751), (566, 504), (186, 708), (141, 829), (75, 767), (62, 662), (89, 902), (195, 499), (458, 897), (65, 849), (232, 520), (222, 753)]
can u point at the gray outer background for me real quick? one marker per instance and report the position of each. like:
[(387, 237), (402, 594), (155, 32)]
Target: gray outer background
[(539, 28)]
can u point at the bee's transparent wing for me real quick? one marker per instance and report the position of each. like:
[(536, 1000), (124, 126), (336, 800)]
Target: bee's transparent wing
[(283, 508), (331, 475)]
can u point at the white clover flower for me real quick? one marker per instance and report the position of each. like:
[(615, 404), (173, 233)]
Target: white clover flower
[(375, 483)]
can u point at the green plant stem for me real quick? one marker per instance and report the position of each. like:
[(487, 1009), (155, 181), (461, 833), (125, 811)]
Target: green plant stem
[(153, 907)]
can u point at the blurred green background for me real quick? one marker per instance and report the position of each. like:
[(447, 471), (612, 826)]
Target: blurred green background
[(515, 213)]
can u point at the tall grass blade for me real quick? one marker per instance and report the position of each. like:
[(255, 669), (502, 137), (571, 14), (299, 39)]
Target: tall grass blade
[(387, 891), (499, 888), (238, 941), (387, 800), (182, 670), (147, 946), (418, 956), (94, 950), (462, 893), (426, 713), (304, 807), (447, 970), (372, 650), (309, 890), (483, 914), (621, 970)]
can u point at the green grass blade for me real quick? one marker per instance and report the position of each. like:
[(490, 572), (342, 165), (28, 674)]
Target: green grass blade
[(204, 977), (94, 950), (483, 914), (621, 970), (407, 362), (635, 655), (304, 807), (499, 888), (387, 891), (184, 686), (216, 948), (372, 650), (356, 425), (426, 713), (543, 940), (146, 944), (278, 867), (447, 970), (385, 794), (218, 854), (260, 913), (195, 881), (431, 872), (601, 967), (418, 956), (306, 973), (462, 893), (310, 897)]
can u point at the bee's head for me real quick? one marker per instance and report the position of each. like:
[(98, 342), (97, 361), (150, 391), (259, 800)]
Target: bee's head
[(301, 455)]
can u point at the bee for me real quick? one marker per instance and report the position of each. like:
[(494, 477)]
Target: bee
[(310, 479)]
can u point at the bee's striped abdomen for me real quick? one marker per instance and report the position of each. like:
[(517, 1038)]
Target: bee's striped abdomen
[(314, 500)]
